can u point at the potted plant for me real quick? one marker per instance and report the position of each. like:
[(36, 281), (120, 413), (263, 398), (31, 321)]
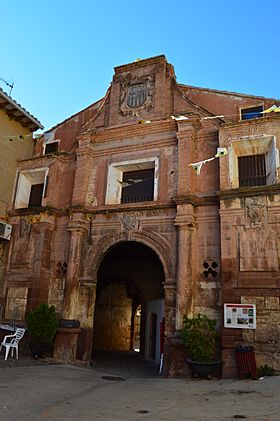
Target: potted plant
[(199, 334), (42, 325)]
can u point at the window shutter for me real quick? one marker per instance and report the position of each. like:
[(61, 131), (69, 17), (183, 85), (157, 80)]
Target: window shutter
[(271, 164)]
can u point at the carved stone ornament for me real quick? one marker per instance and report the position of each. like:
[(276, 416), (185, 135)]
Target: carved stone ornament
[(130, 221), (24, 228), (256, 211), (136, 94)]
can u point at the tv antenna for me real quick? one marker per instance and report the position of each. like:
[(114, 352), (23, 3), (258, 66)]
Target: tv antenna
[(8, 84)]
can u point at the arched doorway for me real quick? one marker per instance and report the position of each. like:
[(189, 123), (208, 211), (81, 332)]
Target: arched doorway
[(129, 301)]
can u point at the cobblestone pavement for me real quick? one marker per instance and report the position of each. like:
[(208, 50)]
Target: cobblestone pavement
[(123, 389)]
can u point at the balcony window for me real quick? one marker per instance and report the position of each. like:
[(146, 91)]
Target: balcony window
[(31, 188), (253, 161), (132, 181), (138, 186)]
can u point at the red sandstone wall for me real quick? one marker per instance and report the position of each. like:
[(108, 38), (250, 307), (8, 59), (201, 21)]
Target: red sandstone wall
[(249, 252)]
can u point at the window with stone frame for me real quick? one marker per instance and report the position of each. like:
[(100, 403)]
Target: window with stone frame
[(31, 188), (132, 181), (251, 112), (253, 161), (51, 148)]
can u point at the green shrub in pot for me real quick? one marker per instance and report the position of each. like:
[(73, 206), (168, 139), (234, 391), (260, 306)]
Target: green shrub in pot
[(200, 337), (42, 325)]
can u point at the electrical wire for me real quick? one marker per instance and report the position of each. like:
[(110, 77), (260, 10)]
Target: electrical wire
[(8, 84)]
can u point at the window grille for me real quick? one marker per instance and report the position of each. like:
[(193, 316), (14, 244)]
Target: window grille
[(138, 186), (252, 170)]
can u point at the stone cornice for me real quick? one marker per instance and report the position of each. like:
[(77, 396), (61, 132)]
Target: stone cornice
[(85, 150), (268, 119), (111, 149), (192, 124), (77, 227), (132, 207), (186, 222), (37, 211), (141, 63), (132, 130), (266, 190), (196, 200), (47, 159)]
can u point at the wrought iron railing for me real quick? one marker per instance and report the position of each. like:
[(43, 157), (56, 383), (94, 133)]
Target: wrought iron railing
[(135, 199)]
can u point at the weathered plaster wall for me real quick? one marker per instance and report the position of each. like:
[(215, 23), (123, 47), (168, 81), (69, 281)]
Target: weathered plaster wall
[(12, 148), (11, 151)]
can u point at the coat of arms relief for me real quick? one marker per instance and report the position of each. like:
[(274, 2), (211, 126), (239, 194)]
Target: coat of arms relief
[(256, 211), (136, 94), (258, 249)]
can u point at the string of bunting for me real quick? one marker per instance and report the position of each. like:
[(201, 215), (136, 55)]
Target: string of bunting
[(50, 135), (197, 166)]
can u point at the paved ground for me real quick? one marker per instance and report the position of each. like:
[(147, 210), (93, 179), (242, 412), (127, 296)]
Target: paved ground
[(124, 389)]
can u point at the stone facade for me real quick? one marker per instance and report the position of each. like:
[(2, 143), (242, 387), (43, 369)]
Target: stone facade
[(198, 242)]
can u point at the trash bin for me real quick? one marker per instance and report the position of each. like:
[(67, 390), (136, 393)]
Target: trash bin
[(246, 362)]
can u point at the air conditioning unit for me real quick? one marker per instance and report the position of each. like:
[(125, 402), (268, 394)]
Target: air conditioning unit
[(5, 230)]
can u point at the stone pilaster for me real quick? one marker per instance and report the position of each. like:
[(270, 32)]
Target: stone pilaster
[(170, 306), (71, 295), (186, 135), (186, 225)]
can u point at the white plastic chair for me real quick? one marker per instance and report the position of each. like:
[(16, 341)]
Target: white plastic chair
[(11, 342)]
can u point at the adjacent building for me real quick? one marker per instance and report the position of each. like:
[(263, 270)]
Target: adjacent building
[(119, 222), (16, 142)]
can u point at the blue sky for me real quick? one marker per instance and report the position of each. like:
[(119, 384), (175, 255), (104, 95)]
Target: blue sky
[(61, 54)]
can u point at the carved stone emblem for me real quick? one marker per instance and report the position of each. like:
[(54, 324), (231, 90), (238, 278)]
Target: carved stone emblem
[(136, 94), (24, 228), (130, 221), (256, 211)]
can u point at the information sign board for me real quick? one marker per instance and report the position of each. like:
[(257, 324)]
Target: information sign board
[(241, 316)]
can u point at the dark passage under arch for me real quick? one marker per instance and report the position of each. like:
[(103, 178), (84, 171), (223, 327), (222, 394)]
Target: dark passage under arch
[(129, 300)]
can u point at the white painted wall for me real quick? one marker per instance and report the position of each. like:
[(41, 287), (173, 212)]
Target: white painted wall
[(156, 307)]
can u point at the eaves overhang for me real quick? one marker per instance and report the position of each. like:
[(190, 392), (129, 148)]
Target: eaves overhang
[(18, 113)]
